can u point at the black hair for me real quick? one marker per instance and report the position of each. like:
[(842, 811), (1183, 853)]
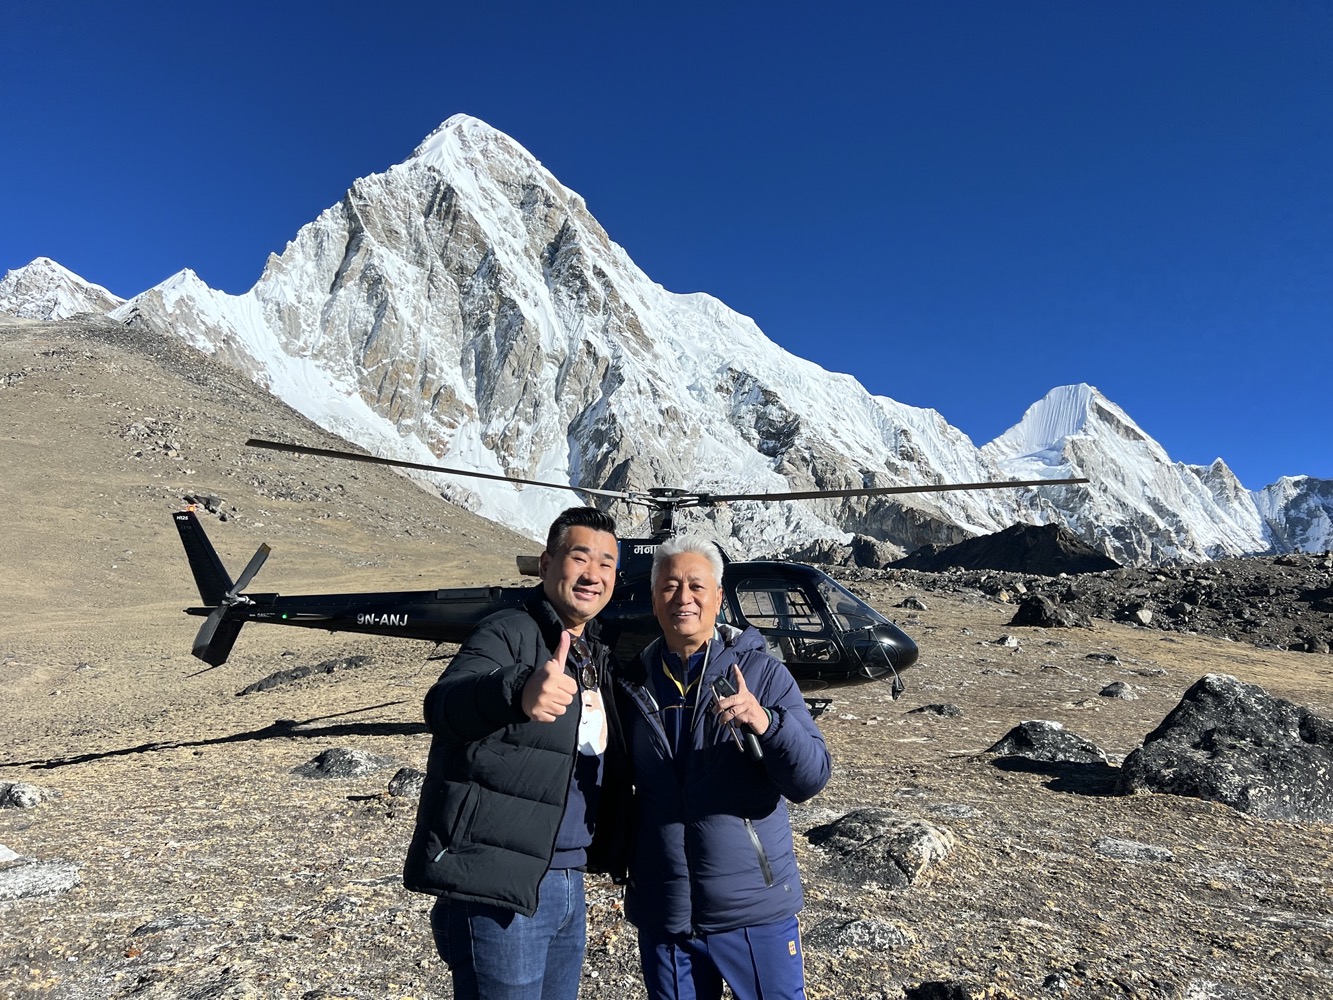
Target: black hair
[(578, 517)]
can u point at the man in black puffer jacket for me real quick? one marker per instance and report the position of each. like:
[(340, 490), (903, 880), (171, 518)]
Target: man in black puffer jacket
[(713, 886), (523, 738)]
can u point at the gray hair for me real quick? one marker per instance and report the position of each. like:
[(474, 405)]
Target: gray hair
[(678, 545)]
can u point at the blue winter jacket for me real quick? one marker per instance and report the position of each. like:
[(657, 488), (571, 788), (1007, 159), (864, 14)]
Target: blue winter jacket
[(715, 852)]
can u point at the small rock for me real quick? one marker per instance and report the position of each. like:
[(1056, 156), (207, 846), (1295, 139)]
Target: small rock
[(26, 878), (841, 936), (940, 989), (20, 795), (880, 846), (1042, 740), (342, 762), (407, 782), (946, 710)]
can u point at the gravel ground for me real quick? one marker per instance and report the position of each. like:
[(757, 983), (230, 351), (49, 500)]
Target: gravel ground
[(206, 868)]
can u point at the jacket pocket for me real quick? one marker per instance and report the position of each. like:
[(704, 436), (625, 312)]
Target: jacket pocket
[(461, 827), (760, 853)]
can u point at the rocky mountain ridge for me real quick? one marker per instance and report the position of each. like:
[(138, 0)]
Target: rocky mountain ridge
[(1273, 602), (464, 308)]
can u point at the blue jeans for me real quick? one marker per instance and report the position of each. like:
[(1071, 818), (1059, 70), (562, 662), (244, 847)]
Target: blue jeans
[(496, 954)]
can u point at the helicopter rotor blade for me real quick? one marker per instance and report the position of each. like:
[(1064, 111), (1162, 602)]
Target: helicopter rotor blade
[(706, 499), (660, 498), (251, 568), (204, 636), (396, 463)]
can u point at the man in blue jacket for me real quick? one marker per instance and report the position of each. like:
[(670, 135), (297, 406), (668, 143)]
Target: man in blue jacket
[(524, 737), (713, 886)]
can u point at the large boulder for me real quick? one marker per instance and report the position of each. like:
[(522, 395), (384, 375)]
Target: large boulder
[(880, 846), (1232, 742), (1037, 611)]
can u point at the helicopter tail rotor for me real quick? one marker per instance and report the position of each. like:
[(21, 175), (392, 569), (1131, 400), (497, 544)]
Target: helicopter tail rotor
[(217, 635)]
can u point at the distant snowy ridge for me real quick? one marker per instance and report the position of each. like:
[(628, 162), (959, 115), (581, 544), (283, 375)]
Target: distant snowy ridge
[(1298, 513), (1144, 507), (464, 308), (45, 290)]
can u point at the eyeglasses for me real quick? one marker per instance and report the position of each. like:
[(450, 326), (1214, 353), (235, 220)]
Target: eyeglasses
[(581, 655)]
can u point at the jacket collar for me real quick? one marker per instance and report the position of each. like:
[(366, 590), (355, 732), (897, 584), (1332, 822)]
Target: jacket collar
[(725, 638)]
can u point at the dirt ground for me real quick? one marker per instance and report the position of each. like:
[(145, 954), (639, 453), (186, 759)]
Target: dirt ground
[(208, 869)]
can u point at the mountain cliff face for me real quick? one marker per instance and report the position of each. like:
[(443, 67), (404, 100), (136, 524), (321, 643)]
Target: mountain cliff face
[(464, 308), (1298, 513)]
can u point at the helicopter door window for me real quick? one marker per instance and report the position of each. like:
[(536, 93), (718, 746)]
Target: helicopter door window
[(789, 620)]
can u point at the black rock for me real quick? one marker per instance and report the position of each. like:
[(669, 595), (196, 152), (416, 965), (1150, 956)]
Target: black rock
[(1232, 742), (1041, 612), (342, 762), (1045, 549), (949, 711), (940, 989), (1049, 742), (407, 782)]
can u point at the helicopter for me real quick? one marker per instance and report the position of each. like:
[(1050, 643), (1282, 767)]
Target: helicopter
[(824, 633)]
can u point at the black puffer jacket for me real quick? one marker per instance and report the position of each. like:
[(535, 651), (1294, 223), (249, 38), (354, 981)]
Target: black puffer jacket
[(496, 782)]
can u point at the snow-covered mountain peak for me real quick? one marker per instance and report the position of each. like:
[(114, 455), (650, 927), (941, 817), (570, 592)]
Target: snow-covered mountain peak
[(1066, 412), (463, 308), (460, 135), (43, 289)]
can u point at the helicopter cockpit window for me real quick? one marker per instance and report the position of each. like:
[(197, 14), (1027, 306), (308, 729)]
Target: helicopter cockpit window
[(847, 609), (778, 607), (789, 620)]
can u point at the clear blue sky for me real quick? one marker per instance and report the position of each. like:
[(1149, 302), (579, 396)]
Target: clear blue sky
[(963, 203)]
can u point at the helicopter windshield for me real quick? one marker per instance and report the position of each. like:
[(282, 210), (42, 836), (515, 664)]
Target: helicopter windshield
[(849, 610), (778, 606)]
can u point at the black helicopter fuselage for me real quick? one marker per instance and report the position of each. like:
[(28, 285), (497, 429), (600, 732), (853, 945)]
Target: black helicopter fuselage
[(824, 633)]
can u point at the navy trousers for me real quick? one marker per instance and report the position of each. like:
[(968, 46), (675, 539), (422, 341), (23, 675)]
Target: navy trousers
[(758, 963)]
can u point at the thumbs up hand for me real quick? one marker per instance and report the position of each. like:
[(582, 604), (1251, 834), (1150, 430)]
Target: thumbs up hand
[(549, 691)]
